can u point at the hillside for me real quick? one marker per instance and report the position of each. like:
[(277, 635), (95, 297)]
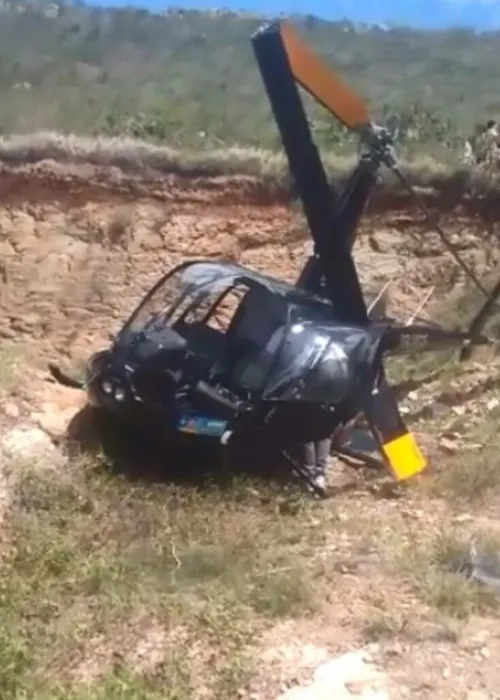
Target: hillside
[(192, 75)]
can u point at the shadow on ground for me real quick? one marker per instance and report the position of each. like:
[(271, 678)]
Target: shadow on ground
[(186, 460), (123, 450)]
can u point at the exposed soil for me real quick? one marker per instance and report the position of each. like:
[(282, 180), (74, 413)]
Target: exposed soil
[(79, 248), (77, 253)]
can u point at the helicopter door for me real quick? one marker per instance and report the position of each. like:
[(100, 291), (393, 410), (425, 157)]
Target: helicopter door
[(256, 319), (254, 336), (204, 320)]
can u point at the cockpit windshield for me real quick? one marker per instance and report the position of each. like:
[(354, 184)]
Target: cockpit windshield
[(194, 287), (175, 292)]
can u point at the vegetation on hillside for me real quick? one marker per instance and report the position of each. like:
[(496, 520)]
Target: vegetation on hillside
[(188, 77)]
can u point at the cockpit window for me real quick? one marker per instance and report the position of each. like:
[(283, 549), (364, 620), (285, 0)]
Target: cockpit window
[(217, 307), (173, 295), (158, 303), (255, 305)]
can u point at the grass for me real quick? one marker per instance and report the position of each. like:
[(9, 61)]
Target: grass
[(98, 567), (471, 476), (114, 588), (148, 160), (432, 558), (439, 574), (382, 626), (110, 588)]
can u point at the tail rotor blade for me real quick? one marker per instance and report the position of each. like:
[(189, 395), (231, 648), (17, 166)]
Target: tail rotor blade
[(396, 443), (338, 98), (322, 83)]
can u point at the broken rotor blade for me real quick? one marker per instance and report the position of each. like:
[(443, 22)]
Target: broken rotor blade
[(378, 307), (421, 306), (437, 227), (322, 83), (423, 338), (397, 444), (479, 321), (491, 302)]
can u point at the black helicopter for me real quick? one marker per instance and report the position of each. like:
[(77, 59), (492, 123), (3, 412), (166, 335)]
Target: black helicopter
[(216, 349)]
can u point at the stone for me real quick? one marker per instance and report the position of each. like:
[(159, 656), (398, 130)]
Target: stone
[(345, 677), (26, 443), (463, 518), (448, 445), (55, 417), (11, 410)]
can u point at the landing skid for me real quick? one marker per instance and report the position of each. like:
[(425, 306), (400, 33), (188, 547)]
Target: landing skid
[(347, 454), (303, 474)]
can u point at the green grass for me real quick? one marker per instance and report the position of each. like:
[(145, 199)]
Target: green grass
[(439, 576), (117, 588), (181, 92), (191, 78)]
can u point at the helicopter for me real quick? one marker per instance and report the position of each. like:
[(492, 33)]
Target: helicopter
[(217, 350)]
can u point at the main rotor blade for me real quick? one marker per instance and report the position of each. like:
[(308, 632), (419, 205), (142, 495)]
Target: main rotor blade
[(396, 443), (322, 83), (479, 321), (420, 307), (437, 227), (378, 307), (423, 338)]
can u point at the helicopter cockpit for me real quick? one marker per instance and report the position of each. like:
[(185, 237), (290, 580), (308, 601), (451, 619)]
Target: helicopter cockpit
[(249, 334), (218, 314)]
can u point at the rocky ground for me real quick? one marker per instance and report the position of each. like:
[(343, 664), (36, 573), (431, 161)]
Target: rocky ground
[(108, 584)]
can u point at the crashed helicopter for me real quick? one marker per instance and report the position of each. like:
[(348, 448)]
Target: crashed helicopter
[(181, 364)]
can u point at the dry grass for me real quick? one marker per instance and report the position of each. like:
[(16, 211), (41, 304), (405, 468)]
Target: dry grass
[(111, 588), (114, 588), (100, 569), (436, 566), (455, 505), (472, 477), (149, 160)]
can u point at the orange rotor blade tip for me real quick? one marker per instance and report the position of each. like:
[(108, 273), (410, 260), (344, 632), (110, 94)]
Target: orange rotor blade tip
[(322, 82)]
